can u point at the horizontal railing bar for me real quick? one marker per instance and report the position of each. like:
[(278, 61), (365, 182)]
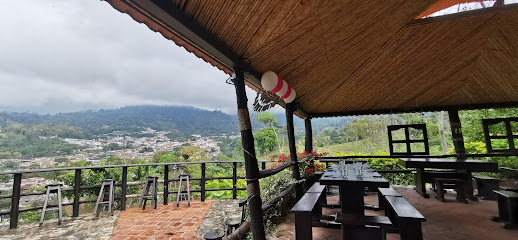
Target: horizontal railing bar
[(115, 166), (396, 171), (277, 198), (424, 156), (5, 212), (272, 171), (190, 179)]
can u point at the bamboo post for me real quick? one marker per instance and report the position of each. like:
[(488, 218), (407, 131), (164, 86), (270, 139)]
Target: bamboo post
[(251, 165), (309, 135), (290, 109), (456, 134), (458, 143)]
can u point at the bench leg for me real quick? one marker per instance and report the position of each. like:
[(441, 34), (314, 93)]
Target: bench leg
[(410, 230), (303, 225), (439, 194), (461, 195)]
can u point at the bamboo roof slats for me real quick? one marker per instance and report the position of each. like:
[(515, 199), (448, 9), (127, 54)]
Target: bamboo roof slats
[(355, 56), (418, 66)]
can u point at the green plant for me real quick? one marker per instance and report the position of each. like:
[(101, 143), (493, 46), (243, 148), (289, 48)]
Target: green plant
[(270, 187)]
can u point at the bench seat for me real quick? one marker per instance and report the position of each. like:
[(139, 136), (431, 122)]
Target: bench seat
[(507, 209), (405, 218), (486, 186), (459, 186), (307, 210), (382, 193)]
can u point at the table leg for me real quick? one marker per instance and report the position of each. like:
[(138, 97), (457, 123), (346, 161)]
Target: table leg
[(352, 199), (420, 184), (468, 187)]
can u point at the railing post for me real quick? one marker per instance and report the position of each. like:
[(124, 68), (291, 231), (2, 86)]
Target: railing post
[(77, 192), (124, 187), (166, 183), (202, 182), (15, 200), (263, 165), (234, 180)]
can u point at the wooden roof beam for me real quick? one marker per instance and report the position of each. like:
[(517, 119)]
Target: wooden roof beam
[(451, 17), (409, 110), (167, 14)]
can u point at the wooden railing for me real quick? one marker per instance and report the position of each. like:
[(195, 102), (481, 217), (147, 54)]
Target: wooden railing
[(15, 210)]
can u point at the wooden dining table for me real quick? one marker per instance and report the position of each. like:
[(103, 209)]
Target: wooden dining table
[(466, 166), (352, 189)]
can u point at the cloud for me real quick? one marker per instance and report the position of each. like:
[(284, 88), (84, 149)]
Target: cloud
[(61, 55)]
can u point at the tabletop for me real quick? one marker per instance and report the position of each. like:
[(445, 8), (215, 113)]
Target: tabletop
[(468, 164), (333, 176)]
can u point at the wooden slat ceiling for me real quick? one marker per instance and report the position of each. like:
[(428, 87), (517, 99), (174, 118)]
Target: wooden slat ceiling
[(369, 56)]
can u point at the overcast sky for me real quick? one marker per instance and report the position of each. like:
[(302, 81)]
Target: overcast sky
[(64, 55)]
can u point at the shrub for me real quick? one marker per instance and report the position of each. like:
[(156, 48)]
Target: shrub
[(270, 187)]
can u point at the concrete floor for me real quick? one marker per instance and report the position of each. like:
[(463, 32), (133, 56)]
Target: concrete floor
[(444, 221)]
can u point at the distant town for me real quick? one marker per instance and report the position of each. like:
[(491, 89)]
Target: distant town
[(123, 145)]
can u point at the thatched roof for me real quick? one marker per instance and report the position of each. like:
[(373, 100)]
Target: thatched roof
[(351, 57)]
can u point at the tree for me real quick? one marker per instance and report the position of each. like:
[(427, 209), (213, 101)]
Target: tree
[(266, 139), (270, 121)]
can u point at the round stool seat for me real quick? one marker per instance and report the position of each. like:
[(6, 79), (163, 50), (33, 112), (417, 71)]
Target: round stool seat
[(234, 223), (54, 185), (213, 235)]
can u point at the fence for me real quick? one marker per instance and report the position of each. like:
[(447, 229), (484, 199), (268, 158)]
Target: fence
[(15, 210)]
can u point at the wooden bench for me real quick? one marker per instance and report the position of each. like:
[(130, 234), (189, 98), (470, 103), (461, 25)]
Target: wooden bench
[(431, 175), (320, 189), (486, 186), (382, 193), (507, 209), (368, 227), (405, 218), (511, 189), (305, 211), (459, 186)]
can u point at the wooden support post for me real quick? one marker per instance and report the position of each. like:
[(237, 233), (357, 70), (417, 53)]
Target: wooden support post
[(263, 165), (251, 165), (290, 109), (15, 201), (77, 192), (234, 180), (460, 150), (202, 182), (456, 134), (309, 135), (166, 184), (124, 187)]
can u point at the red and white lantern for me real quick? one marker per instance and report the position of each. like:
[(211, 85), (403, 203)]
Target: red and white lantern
[(275, 84)]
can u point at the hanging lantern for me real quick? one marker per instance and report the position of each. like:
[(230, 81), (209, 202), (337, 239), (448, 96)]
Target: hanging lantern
[(275, 84)]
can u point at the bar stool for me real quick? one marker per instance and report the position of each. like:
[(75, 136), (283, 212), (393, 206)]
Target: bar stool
[(52, 188), (150, 181), (233, 224), (181, 195), (100, 199), (213, 235)]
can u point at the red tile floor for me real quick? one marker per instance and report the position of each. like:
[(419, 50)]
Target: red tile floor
[(165, 222), (444, 221)]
